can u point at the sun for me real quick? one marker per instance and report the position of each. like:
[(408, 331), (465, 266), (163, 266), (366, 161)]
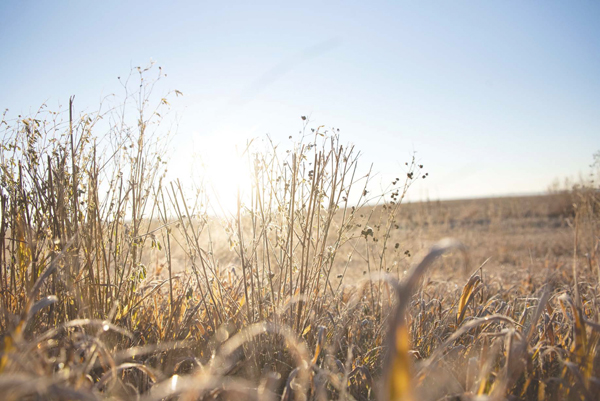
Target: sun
[(227, 173)]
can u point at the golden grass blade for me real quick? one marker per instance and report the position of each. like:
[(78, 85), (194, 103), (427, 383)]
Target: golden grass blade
[(8, 348), (400, 385), (398, 367), (465, 298), (320, 342)]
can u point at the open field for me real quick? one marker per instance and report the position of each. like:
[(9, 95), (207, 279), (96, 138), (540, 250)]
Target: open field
[(517, 234), (116, 284)]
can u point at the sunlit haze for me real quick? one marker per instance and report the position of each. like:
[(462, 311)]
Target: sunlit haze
[(496, 97)]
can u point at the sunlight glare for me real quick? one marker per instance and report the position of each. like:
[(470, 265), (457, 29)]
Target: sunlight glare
[(226, 171)]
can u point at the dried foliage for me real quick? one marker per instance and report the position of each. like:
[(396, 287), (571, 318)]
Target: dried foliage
[(96, 303)]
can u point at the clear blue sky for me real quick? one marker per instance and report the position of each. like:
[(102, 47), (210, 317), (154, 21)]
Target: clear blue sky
[(496, 97)]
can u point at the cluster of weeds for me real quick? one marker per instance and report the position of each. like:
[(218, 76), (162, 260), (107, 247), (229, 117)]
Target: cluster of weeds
[(96, 303)]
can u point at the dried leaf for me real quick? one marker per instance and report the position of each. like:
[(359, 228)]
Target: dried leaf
[(465, 298)]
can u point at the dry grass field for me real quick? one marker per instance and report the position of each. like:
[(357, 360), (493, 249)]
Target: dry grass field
[(518, 235), (116, 284)]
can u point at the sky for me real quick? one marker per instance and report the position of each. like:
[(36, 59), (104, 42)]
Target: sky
[(495, 97)]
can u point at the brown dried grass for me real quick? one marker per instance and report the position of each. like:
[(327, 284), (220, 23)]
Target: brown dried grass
[(115, 285)]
